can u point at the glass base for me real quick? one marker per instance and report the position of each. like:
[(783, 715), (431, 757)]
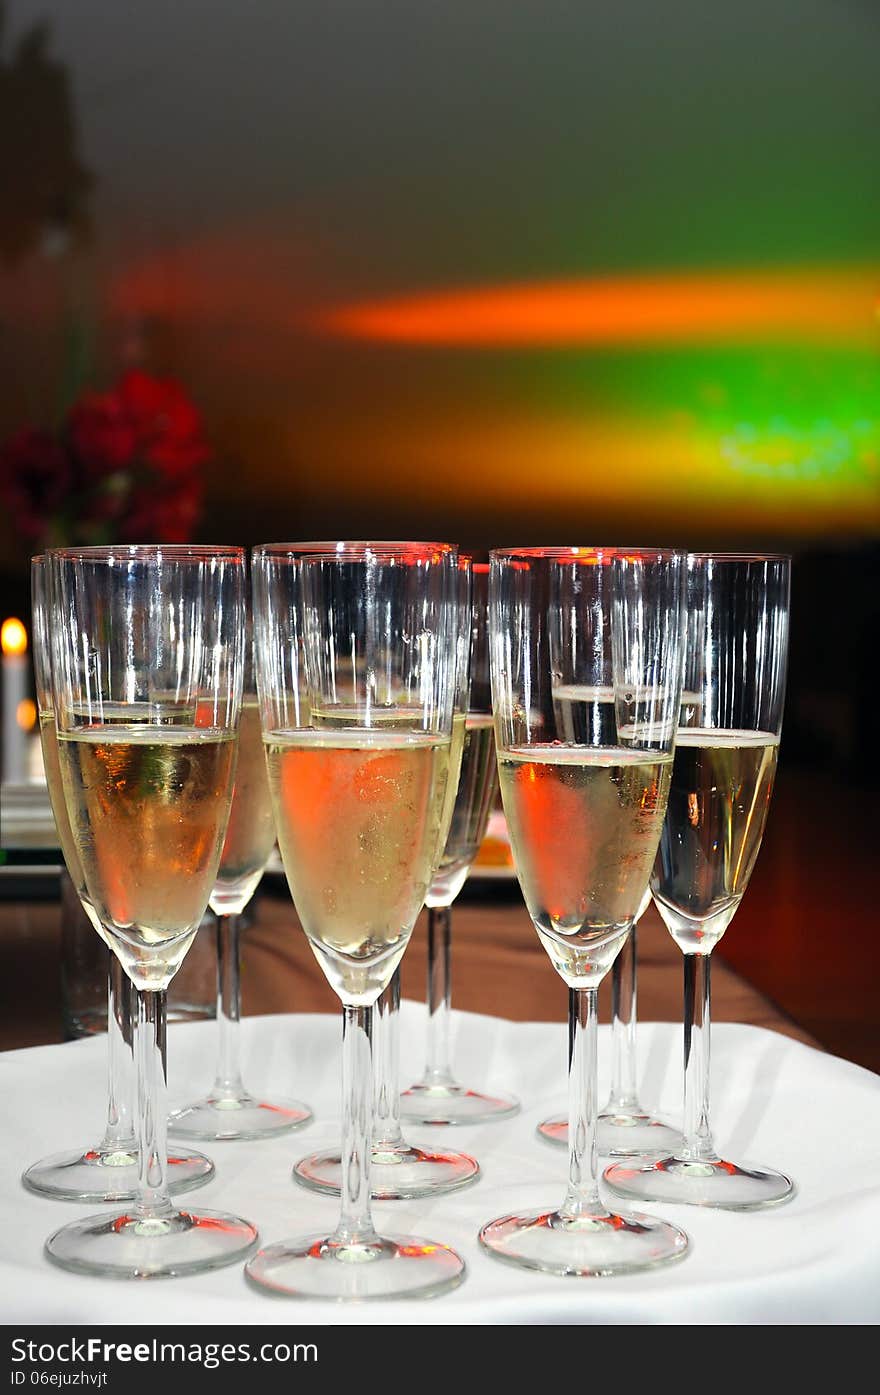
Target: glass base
[(620, 1134), (451, 1103), (221, 1117), (110, 1174), (315, 1266), (593, 1246), (397, 1174), (726, 1185), (127, 1247)]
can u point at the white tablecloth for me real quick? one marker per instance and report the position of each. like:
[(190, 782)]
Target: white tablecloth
[(775, 1101)]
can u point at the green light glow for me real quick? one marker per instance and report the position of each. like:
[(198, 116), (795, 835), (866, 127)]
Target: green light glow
[(785, 417)]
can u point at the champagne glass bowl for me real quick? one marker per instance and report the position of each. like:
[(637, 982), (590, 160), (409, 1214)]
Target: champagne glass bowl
[(154, 632), (585, 812), (106, 1170), (725, 764), (345, 632)]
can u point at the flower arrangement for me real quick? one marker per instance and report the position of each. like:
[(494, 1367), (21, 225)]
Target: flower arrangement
[(126, 466)]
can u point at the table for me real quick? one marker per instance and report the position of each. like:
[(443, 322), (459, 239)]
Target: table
[(775, 1100), (499, 967)]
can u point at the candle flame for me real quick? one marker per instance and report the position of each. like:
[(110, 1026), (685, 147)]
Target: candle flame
[(13, 637)]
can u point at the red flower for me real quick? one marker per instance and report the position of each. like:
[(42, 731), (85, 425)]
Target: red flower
[(35, 477), (129, 466), (101, 434), (167, 425)]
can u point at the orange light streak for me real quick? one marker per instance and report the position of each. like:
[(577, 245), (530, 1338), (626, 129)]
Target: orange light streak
[(654, 466), (839, 305)]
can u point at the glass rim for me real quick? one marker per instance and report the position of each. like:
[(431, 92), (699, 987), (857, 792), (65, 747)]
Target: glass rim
[(353, 550), (728, 556), (196, 552), (594, 554)]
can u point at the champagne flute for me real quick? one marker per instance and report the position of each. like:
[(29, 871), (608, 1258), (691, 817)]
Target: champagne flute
[(108, 1170), (400, 1170), (229, 1110), (438, 1098), (722, 781), (585, 817), (344, 633), (626, 1128), (148, 630)]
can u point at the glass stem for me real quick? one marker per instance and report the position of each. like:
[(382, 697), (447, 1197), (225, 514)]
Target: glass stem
[(438, 1069), (387, 1133), (355, 1222), (228, 1082), (119, 1134), (582, 1198), (153, 1201), (698, 1137), (624, 1091)]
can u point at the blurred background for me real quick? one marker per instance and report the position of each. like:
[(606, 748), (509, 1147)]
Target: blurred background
[(489, 272)]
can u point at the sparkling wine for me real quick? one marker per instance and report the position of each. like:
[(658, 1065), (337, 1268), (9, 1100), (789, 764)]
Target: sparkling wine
[(161, 710), (250, 834), (148, 809), (584, 827), (357, 815), (447, 784), (401, 717), (473, 796), (52, 768), (51, 764), (718, 800)]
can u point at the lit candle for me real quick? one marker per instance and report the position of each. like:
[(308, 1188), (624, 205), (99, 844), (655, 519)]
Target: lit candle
[(13, 643)]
